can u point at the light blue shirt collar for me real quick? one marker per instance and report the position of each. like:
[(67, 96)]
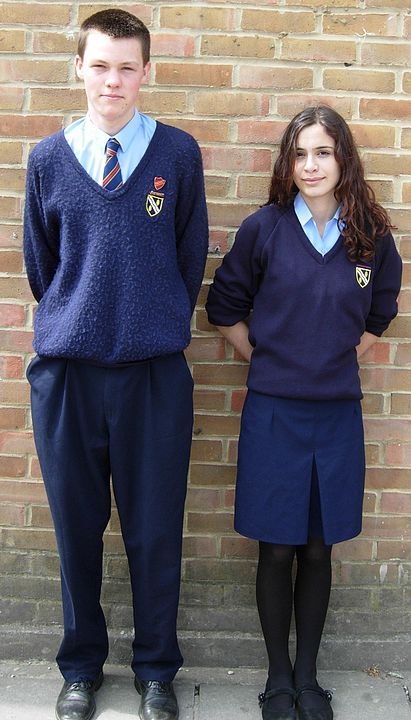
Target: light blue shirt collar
[(332, 229), (93, 134)]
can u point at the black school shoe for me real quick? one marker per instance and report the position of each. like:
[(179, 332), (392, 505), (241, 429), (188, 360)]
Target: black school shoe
[(158, 700), (76, 700), (264, 703), (325, 713)]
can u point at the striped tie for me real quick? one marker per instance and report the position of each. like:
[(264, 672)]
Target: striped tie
[(112, 179)]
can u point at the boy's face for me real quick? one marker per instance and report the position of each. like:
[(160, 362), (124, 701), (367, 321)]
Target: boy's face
[(113, 72)]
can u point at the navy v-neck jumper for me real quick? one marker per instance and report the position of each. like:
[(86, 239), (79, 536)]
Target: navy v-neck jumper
[(308, 311), (116, 274)]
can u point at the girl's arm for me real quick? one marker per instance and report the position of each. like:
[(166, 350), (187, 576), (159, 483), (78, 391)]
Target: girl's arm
[(367, 340), (237, 336)]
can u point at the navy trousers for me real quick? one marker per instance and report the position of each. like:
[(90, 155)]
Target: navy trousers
[(133, 423)]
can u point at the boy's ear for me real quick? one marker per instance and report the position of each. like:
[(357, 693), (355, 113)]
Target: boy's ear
[(79, 67), (147, 68)]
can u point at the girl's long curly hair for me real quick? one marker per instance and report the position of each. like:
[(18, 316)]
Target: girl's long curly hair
[(364, 219)]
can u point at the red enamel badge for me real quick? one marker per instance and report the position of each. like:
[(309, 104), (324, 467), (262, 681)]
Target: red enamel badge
[(159, 183)]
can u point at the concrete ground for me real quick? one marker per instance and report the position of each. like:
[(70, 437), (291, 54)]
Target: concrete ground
[(30, 690)]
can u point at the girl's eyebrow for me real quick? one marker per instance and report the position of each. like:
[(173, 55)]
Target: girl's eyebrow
[(320, 147)]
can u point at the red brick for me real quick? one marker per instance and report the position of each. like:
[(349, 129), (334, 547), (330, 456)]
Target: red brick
[(361, 24), (209, 399), (16, 340), (196, 547), (15, 288), (11, 466), (237, 399), (33, 70), (289, 105), (387, 429), (385, 109), (16, 442), (398, 454), (12, 418), (237, 159), (12, 515), (392, 549), (202, 130), (203, 499), (193, 75), (214, 475), (11, 98), (356, 80), (159, 102), (314, 50), (28, 539), (260, 131), (141, 10), (229, 215), (230, 103), (10, 261), (387, 478), (197, 18), (209, 522), (171, 45), (10, 235), (45, 13), (206, 450), (31, 126), (10, 207), (378, 354), (202, 348), (401, 403), (398, 502), (356, 549), (385, 379), (387, 54), (17, 392), (11, 315), (253, 187), (54, 42), (220, 374), (58, 99), (241, 46), (238, 547), (11, 366), (275, 78), (272, 21)]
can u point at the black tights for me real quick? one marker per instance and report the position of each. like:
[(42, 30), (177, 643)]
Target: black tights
[(275, 602)]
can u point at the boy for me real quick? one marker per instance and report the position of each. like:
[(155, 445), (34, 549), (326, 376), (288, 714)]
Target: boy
[(115, 245)]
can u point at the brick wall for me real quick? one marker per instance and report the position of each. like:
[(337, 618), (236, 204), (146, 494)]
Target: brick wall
[(232, 73)]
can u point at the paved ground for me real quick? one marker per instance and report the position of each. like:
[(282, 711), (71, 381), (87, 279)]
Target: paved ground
[(29, 691)]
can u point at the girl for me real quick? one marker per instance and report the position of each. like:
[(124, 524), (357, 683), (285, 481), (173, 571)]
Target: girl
[(318, 268)]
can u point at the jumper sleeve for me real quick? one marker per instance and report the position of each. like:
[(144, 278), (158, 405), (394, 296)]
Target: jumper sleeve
[(386, 286), (40, 248), (231, 295), (191, 221)]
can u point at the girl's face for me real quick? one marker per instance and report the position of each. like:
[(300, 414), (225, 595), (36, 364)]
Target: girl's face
[(316, 171)]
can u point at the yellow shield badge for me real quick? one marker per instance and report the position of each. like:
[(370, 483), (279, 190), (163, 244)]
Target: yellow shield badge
[(154, 203), (362, 275)]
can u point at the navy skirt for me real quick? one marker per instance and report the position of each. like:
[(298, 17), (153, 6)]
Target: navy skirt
[(301, 469)]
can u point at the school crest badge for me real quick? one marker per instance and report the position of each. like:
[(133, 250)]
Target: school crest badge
[(154, 203), (362, 275)]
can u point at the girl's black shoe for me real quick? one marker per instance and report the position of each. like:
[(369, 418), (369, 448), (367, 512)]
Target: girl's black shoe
[(304, 713), (270, 714)]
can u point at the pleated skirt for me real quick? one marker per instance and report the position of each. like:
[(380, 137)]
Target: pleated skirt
[(301, 468)]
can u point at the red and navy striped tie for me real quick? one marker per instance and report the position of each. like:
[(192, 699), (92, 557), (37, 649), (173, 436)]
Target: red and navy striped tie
[(112, 179)]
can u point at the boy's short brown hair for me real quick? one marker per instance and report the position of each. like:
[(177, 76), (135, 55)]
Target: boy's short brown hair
[(117, 24)]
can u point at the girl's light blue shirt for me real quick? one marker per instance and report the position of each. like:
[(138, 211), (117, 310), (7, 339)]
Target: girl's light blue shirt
[(88, 143), (331, 232)]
